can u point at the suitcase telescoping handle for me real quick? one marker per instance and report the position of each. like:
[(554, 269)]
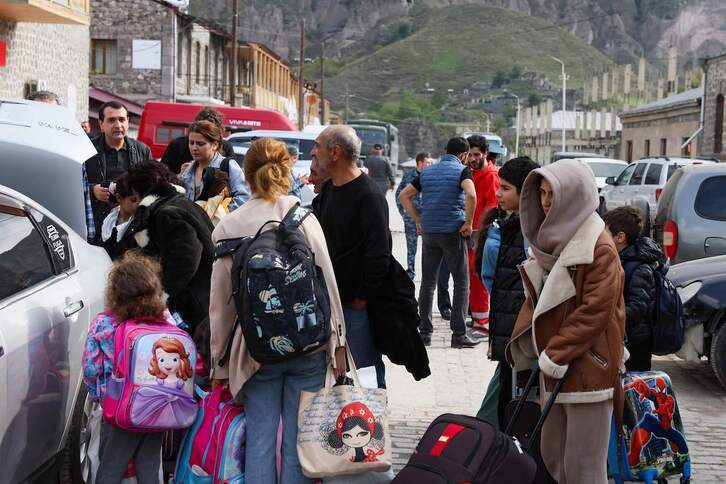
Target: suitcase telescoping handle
[(545, 411)]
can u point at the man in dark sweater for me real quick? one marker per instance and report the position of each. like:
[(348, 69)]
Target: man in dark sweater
[(354, 216), (177, 153)]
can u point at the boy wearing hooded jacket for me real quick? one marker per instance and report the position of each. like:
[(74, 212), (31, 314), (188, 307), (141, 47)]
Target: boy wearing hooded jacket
[(640, 257), (573, 319)]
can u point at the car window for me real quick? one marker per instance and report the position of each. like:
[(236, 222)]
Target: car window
[(709, 200), (624, 177), (638, 174), (57, 239), (653, 175), (24, 259)]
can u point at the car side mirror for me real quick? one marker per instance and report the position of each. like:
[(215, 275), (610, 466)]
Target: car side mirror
[(610, 180)]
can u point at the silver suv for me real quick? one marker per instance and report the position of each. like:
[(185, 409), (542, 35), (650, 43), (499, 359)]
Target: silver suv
[(691, 218), (641, 184)]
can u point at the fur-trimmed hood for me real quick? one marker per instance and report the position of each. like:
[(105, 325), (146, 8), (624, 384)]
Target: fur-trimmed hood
[(143, 212)]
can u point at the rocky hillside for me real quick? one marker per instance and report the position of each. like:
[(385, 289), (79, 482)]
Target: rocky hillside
[(622, 29)]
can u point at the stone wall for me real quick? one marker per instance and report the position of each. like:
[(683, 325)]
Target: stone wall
[(53, 55), (715, 84), (124, 21)]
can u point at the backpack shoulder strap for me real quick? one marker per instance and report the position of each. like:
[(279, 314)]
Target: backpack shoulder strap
[(228, 247), (629, 267), (295, 216), (224, 166)]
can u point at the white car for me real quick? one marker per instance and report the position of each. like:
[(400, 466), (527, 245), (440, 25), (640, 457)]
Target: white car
[(641, 184), (603, 168), (301, 140)]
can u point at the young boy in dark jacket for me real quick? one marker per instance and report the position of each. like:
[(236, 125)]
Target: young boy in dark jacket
[(640, 257), (499, 249)]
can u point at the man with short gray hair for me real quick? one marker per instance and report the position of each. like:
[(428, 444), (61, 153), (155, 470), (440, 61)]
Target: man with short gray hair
[(354, 216)]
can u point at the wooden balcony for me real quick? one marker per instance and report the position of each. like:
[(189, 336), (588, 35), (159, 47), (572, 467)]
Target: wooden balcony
[(46, 11)]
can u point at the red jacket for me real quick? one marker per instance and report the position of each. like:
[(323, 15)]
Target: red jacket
[(486, 183)]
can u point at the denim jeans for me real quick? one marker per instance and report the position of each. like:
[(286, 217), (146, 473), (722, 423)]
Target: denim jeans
[(360, 341), (118, 447), (452, 249), (274, 391)]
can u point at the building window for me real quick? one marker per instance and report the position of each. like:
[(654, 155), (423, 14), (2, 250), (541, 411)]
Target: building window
[(646, 148), (718, 128), (179, 54), (206, 65), (687, 149), (103, 56), (663, 146), (629, 151), (197, 61)]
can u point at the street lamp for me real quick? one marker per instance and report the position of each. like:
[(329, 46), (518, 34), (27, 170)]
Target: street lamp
[(516, 142), (564, 99)]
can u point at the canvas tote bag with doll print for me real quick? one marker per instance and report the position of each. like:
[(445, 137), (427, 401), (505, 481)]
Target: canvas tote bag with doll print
[(342, 430)]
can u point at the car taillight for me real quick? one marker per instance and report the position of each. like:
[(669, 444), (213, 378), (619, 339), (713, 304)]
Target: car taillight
[(670, 239), (658, 192)]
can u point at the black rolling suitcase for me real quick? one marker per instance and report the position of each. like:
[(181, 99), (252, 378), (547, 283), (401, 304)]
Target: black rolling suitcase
[(458, 449)]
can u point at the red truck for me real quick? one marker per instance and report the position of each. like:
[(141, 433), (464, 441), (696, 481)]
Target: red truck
[(161, 122)]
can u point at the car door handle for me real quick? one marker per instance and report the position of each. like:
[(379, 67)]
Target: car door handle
[(72, 308), (2, 351)]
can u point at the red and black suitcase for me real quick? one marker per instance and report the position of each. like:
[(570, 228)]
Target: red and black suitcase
[(458, 449)]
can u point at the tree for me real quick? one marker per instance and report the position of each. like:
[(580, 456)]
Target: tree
[(500, 79), (516, 72), (534, 99)]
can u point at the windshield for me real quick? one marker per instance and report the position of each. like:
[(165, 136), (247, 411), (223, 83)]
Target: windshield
[(604, 170), (304, 146), (371, 136)]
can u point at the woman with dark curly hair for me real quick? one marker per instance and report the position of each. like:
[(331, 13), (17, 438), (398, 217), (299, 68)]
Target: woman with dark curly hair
[(176, 231)]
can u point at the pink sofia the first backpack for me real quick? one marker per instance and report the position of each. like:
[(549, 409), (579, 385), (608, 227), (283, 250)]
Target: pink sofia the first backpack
[(152, 386)]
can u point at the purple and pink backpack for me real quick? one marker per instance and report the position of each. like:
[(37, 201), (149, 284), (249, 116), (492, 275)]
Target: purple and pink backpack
[(152, 386)]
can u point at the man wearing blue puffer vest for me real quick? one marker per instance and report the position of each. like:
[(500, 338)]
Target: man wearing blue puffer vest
[(445, 222)]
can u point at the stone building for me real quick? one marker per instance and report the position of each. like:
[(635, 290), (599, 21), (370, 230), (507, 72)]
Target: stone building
[(711, 142), (667, 127), (46, 46), (151, 49)]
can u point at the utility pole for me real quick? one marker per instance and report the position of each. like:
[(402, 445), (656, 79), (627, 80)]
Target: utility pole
[(322, 81), (233, 55), (301, 100), (564, 101), (347, 97)]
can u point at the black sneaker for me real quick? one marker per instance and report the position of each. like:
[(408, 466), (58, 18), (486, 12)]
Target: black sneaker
[(446, 314), (463, 341), (426, 338)]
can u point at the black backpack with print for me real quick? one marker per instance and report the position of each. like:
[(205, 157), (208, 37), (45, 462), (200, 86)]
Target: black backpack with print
[(280, 294)]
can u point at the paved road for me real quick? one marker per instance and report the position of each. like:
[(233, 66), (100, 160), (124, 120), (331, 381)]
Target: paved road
[(459, 379)]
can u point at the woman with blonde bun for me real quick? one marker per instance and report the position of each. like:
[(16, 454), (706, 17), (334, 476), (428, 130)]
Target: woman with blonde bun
[(270, 391)]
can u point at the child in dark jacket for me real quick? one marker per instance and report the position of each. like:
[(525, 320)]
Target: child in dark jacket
[(500, 248), (640, 257)]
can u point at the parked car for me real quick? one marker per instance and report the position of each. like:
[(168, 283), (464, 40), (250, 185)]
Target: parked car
[(641, 184), (702, 286), (603, 168), (691, 219), (301, 140), (561, 155), (51, 287)]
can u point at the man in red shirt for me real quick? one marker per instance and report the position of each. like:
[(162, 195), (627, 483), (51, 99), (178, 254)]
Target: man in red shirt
[(486, 181)]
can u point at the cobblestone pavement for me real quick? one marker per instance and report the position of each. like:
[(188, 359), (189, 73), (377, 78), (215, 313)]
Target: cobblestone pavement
[(460, 376)]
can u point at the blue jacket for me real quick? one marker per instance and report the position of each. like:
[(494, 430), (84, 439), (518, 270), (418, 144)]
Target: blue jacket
[(237, 183), (443, 209), (408, 176), (491, 253)]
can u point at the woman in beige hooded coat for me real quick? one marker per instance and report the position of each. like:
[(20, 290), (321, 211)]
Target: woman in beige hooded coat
[(573, 319)]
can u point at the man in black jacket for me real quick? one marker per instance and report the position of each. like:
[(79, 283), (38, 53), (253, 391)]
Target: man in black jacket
[(116, 154), (354, 216), (640, 257), (177, 153)]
